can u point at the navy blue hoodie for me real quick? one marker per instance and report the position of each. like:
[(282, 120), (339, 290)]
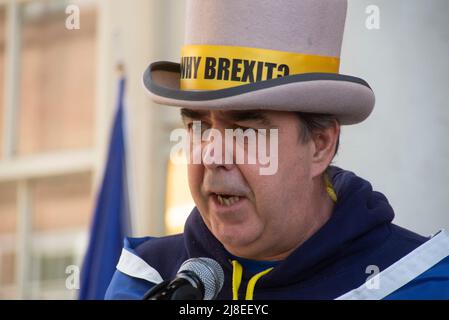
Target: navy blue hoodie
[(358, 238)]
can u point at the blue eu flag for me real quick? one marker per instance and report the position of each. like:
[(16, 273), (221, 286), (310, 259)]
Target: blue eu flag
[(111, 219)]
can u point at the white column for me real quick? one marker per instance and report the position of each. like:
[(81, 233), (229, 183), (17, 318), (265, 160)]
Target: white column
[(145, 32), (12, 74), (403, 147), (23, 245)]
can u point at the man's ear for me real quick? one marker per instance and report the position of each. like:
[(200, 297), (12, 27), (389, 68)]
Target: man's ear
[(324, 143)]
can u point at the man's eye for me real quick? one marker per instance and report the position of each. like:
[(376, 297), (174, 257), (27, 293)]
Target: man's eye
[(191, 125), (197, 126), (238, 127)]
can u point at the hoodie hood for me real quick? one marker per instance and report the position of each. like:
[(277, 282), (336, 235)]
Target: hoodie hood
[(333, 263), (358, 221)]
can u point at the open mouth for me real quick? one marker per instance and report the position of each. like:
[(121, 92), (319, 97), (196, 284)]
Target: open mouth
[(226, 199)]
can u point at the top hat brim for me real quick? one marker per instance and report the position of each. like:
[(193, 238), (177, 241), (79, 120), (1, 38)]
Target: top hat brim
[(349, 99)]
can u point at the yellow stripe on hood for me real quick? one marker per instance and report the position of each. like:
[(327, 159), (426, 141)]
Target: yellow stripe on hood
[(237, 273)]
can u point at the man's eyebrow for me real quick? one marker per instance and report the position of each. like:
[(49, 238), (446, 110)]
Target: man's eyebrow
[(233, 115), (193, 114), (250, 115)]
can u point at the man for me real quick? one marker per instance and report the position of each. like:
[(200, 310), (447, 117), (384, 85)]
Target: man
[(308, 230)]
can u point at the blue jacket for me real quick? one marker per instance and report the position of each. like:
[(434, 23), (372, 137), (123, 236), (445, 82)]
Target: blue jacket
[(357, 254)]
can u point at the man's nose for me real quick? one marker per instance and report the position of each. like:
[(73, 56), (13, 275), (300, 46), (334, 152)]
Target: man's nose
[(217, 152)]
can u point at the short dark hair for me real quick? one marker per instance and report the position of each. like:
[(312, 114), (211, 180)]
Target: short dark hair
[(312, 122)]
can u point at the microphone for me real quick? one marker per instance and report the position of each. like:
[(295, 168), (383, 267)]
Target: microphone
[(197, 279)]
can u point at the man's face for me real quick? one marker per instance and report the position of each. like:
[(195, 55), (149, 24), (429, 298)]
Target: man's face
[(254, 215)]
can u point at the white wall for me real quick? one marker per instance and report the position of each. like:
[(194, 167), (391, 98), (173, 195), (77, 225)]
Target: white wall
[(403, 148)]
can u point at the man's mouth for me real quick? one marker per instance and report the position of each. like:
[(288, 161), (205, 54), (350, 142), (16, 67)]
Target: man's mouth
[(226, 200)]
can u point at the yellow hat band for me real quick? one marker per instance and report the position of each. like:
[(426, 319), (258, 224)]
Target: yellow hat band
[(205, 67)]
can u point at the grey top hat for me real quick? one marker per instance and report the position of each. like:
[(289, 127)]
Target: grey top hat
[(264, 55)]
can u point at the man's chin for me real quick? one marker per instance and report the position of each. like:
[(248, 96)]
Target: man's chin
[(235, 237)]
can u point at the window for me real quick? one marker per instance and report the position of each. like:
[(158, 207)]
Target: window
[(50, 261), (62, 202), (57, 80), (8, 274), (47, 129), (8, 228)]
